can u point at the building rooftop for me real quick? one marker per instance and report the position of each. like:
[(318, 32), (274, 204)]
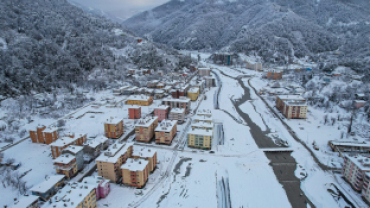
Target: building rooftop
[(193, 90), (139, 97), (134, 107), (50, 129), (202, 118), (349, 143), (114, 151), (200, 132), (114, 121), (202, 124), (135, 164), (61, 142), (146, 122), (95, 142), (25, 201), (291, 97), (204, 112), (71, 195), (162, 107), (177, 110), (64, 158), (93, 180), (74, 149), (144, 152), (183, 99), (361, 162), (159, 91), (47, 184), (295, 103), (166, 125)]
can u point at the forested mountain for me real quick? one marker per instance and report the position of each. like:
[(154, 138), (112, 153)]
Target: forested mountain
[(48, 44), (277, 30)]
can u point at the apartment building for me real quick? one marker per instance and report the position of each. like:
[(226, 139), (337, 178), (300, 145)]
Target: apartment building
[(205, 112), (202, 125), (49, 187), (74, 195), (281, 98), (210, 81), (161, 112), (66, 165), (366, 188), (109, 163), (102, 186), (113, 128), (165, 131), (76, 151), (148, 155), (354, 170), (27, 202), (134, 112), (203, 118), (152, 84), (349, 146), (161, 85), (135, 172), (180, 91), (144, 129), (177, 114), (142, 100), (44, 135), (274, 74), (193, 93), (182, 102), (58, 146), (294, 109), (199, 138), (204, 71)]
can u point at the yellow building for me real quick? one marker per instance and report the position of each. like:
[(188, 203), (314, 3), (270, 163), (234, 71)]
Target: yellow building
[(66, 164), (193, 93), (199, 138), (148, 155), (166, 131), (144, 129), (109, 163), (142, 100), (74, 195), (135, 172)]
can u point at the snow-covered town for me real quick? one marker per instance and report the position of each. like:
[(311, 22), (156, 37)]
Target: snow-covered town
[(184, 103)]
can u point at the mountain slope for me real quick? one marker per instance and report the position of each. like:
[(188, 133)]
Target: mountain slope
[(51, 44), (277, 30)]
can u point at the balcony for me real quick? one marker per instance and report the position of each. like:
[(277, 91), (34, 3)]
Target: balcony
[(64, 167)]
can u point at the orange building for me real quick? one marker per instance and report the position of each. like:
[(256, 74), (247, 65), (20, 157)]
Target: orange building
[(134, 112), (148, 155), (275, 75), (58, 146), (165, 132), (135, 172), (144, 129), (44, 135), (113, 128)]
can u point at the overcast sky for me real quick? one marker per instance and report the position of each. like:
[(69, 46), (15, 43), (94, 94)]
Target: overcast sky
[(122, 8)]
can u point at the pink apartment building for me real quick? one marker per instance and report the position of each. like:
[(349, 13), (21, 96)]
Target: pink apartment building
[(161, 112)]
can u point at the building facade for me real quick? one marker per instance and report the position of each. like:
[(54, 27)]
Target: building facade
[(165, 132), (44, 135), (193, 93), (177, 114), (199, 138), (204, 71), (182, 102), (113, 128), (144, 129), (109, 163), (135, 172), (76, 151), (58, 146), (354, 170), (134, 112), (274, 74), (161, 112), (148, 155), (66, 165), (292, 109)]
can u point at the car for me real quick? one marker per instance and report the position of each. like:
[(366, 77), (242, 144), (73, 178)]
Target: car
[(212, 152)]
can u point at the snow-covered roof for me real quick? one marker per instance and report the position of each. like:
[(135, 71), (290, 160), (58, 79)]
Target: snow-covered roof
[(64, 158), (295, 103), (25, 201), (144, 152), (162, 107), (202, 124), (182, 100), (146, 122), (360, 161), (204, 69), (135, 164), (160, 84), (50, 130), (167, 87), (61, 142), (349, 143), (114, 121), (204, 112), (71, 195), (178, 110), (92, 180), (202, 117), (166, 125), (74, 149), (134, 107), (139, 97), (200, 132), (193, 90), (48, 184), (291, 97), (114, 151)]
